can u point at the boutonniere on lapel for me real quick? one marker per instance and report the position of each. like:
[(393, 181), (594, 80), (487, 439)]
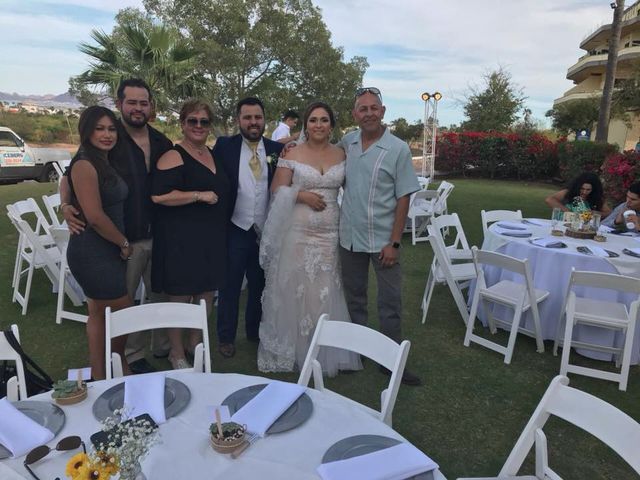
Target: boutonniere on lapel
[(272, 160)]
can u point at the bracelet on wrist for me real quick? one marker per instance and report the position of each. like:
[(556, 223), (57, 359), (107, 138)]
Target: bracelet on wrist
[(125, 244), (196, 197), (64, 204)]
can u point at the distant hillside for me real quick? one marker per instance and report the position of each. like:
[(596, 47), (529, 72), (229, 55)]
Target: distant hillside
[(62, 99)]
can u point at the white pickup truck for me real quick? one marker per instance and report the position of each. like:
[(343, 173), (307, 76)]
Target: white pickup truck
[(19, 161)]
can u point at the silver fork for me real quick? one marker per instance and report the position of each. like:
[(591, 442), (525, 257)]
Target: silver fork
[(250, 440)]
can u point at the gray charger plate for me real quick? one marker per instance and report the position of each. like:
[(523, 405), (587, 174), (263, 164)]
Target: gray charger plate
[(361, 445), (176, 399), (47, 414), (294, 416)]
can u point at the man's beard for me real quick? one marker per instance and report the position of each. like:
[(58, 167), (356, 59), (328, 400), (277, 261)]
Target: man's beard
[(252, 135), (135, 123)]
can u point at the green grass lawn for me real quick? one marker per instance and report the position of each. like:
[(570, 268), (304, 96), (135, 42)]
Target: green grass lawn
[(471, 408)]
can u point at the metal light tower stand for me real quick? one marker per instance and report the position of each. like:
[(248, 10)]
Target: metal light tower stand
[(430, 132)]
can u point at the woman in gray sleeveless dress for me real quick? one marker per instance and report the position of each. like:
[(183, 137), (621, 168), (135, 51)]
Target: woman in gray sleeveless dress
[(97, 256)]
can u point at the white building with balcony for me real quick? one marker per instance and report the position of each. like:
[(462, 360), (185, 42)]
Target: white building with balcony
[(588, 72)]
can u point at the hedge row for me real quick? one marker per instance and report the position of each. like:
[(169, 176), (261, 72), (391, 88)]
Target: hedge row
[(518, 156)]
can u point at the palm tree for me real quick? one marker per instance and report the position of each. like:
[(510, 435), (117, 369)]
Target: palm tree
[(159, 55), (602, 131)]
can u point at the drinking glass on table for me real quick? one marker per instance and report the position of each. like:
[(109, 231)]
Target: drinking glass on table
[(556, 219)]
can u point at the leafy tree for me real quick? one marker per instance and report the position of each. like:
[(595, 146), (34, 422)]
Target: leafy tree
[(574, 115), (139, 47), (495, 105), (407, 132), (278, 50)]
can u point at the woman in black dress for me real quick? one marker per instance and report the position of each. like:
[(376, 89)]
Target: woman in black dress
[(189, 236), (97, 256)]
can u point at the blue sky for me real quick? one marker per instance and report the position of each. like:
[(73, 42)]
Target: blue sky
[(412, 45)]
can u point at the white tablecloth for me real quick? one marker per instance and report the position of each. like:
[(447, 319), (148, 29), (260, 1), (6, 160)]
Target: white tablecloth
[(551, 269), (185, 453)]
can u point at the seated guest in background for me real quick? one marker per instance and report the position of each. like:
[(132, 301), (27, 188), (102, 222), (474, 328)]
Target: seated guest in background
[(616, 218), (189, 251), (282, 133), (588, 187), (97, 255)]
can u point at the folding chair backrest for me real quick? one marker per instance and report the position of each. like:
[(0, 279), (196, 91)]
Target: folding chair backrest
[(445, 188), (601, 419), (23, 208), (500, 260), (448, 221), (156, 315), (362, 340), (51, 204), (610, 281), (492, 216), (439, 250), (8, 353)]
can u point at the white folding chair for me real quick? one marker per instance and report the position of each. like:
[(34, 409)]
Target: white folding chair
[(602, 420), (492, 216), (365, 341), (459, 248), (51, 205), (516, 296), (443, 271), (36, 255), (424, 205), (24, 209), (604, 314), (16, 387), (157, 315), (67, 284)]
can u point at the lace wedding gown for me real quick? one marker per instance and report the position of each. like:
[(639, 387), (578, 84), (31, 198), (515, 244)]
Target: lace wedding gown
[(299, 254)]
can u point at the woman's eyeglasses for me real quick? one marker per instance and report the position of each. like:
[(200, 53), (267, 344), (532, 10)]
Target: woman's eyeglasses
[(38, 453), (198, 122), (376, 91)]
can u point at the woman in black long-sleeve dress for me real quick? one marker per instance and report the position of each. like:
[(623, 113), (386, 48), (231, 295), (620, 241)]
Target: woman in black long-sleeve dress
[(191, 190)]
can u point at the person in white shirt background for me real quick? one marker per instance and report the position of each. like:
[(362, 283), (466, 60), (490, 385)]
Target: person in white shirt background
[(282, 133)]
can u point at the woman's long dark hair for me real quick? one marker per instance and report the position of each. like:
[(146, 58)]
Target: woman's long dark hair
[(86, 126), (595, 198)]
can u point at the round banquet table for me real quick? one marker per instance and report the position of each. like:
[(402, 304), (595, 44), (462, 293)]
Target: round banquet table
[(551, 270), (184, 451)]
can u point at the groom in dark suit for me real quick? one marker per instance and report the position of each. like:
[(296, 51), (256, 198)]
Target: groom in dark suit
[(247, 159)]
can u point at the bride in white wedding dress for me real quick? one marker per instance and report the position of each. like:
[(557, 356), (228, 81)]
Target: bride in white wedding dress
[(299, 252)]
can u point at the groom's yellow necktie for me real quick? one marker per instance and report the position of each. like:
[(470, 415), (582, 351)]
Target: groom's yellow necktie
[(254, 161)]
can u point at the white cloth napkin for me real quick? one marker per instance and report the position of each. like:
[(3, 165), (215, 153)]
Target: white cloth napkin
[(512, 225), (546, 241), (259, 413), (634, 250), (145, 394), (512, 233), (535, 221), (393, 463), (605, 229), (598, 251), (7, 474), (18, 433)]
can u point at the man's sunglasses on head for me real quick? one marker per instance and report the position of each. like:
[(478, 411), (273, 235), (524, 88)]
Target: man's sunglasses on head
[(376, 91), (38, 453)]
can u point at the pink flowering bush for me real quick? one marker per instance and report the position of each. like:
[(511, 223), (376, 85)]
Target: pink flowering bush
[(618, 172)]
